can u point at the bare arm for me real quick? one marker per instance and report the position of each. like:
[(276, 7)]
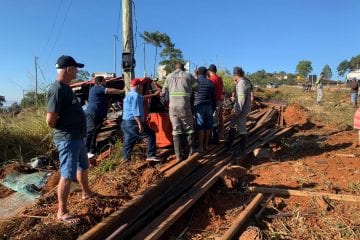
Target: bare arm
[(114, 91), (51, 119), (138, 120)]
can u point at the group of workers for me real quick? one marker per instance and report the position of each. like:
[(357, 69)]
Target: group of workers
[(194, 103)]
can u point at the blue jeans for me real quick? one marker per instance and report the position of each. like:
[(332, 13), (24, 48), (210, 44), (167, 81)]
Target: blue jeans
[(203, 117), (130, 129), (354, 97), (93, 125), (73, 157)]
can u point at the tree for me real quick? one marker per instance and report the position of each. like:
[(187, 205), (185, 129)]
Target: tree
[(327, 71), (83, 75), (171, 56), (30, 99), (355, 62), (304, 68), (2, 99), (343, 68), (157, 39)]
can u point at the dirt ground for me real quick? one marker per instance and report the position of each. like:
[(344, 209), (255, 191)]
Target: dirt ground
[(316, 158), (320, 159), (115, 188)]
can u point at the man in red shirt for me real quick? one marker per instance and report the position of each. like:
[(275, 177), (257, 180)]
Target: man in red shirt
[(218, 121)]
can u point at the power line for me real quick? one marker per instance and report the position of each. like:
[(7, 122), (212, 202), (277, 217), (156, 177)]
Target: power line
[(41, 71), (119, 20), (53, 25), (61, 28), (133, 3)]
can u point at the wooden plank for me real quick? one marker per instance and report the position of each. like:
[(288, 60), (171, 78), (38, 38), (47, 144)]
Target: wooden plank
[(320, 200), (156, 228), (121, 219), (281, 117), (172, 195), (258, 215), (347, 155), (290, 192), (242, 218)]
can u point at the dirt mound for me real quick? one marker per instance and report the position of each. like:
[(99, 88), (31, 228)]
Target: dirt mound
[(149, 176), (233, 175), (52, 182), (296, 115)]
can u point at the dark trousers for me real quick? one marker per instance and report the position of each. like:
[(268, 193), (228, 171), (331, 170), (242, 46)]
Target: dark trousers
[(93, 128), (130, 129)]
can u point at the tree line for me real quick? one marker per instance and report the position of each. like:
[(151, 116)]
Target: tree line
[(304, 67)]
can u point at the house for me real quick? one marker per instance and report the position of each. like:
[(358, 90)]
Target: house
[(353, 74)]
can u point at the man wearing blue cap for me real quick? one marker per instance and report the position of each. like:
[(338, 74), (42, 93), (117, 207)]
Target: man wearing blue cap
[(65, 115)]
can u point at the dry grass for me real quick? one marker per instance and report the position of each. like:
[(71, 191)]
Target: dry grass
[(24, 136), (335, 110), (313, 226), (355, 187)]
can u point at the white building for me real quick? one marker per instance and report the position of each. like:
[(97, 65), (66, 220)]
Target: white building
[(353, 74)]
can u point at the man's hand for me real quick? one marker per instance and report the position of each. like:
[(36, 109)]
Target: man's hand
[(141, 128), (51, 119)]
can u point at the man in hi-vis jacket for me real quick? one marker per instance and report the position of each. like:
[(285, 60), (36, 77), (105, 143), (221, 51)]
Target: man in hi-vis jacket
[(242, 106), (180, 85)]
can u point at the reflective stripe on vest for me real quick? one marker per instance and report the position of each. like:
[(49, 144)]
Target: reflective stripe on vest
[(179, 94)]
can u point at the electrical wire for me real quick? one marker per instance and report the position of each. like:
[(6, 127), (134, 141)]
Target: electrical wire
[(134, 16), (61, 28), (53, 25), (119, 19), (42, 73)]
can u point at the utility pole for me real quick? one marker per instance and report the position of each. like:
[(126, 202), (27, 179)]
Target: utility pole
[(115, 43), (36, 82), (128, 61)]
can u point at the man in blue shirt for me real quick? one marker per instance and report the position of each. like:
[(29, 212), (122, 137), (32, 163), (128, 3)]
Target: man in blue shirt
[(96, 111), (133, 125)]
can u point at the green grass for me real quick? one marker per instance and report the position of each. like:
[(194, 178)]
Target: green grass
[(110, 163)]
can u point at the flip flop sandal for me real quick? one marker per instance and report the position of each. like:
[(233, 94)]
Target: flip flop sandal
[(69, 219), (92, 195)]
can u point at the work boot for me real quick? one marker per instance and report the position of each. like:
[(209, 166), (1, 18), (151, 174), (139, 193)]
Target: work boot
[(184, 147), (190, 142), (231, 137), (241, 147), (242, 144), (215, 135), (177, 147)]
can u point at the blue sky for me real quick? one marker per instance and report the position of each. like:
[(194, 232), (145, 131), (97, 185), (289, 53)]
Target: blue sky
[(256, 34)]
